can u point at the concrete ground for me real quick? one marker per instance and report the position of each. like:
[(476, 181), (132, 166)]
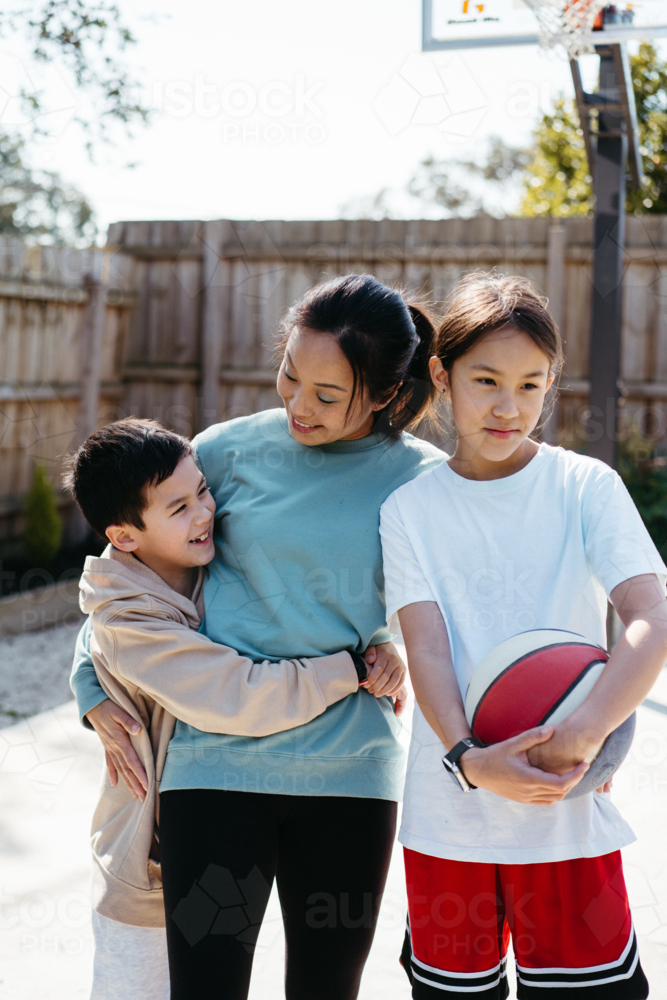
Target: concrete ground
[(49, 771)]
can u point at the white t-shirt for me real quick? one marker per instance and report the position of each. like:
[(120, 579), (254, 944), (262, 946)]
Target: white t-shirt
[(540, 549)]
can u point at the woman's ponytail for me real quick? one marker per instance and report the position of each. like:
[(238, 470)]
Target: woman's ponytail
[(415, 397)]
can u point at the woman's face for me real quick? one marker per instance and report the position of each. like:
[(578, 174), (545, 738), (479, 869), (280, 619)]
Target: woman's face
[(315, 381)]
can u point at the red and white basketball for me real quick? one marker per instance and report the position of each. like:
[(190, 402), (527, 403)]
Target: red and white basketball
[(536, 678)]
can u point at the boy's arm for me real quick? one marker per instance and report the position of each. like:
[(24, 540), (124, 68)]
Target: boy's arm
[(212, 687), (630, 673), (502, 768)]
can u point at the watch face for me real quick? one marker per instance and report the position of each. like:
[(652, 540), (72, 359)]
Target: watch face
[(455, 778), (456, 775)]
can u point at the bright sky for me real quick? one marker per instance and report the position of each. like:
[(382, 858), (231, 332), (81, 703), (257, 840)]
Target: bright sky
[(291, 108)]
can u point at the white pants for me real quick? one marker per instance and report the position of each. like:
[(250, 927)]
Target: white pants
[(129, 961)]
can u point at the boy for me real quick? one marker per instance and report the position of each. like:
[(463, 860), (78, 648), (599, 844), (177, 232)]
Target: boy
[(138, 485)]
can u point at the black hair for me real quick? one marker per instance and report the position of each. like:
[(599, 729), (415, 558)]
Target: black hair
[(481, 302), (109, 474), (386, 338)]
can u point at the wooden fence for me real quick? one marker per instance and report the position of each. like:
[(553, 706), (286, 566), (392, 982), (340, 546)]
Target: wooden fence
[(192, 309), (62, 330)]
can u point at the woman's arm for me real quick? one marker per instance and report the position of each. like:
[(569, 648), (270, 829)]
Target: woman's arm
[(111, 723), (630, 673), (502, 768), (83, 680)]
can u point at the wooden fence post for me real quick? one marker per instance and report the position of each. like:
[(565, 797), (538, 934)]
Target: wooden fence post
[(92, 337), (211, 325)]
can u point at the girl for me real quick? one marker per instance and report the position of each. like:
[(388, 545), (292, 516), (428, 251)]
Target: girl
[(510, 535), (297, 566)]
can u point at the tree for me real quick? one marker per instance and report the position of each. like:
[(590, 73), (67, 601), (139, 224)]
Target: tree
[(89, 39), (556, 179), (435, 183), (649, 80), (38, 205), (43, 527), (468, 187)]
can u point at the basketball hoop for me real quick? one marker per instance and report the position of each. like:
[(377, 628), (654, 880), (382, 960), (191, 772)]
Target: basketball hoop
[(608, 119), (569, 24), (578, 25)]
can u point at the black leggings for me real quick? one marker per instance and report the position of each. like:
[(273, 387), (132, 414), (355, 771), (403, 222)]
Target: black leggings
[(220, 852)]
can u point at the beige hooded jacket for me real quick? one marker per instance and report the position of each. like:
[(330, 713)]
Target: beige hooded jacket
[(151, 661)]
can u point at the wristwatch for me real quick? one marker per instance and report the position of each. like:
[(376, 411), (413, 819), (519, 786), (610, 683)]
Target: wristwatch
[(451, 762), (360, 666)]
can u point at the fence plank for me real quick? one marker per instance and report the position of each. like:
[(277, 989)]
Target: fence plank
[(163, 354)]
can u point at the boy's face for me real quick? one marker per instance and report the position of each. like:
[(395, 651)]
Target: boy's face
[(178, 522)]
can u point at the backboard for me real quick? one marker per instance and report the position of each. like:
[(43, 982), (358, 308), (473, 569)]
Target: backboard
[(466, 24)]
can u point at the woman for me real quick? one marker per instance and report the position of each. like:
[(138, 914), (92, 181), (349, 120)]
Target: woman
[(298, 570)]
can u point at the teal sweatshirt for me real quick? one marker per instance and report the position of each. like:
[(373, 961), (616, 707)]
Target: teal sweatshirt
[(297, 572)]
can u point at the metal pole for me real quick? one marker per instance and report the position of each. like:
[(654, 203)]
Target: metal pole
[(609, 243), (555, 294)]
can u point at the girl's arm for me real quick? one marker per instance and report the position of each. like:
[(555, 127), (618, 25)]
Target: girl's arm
[(503, 768), (630, 673)]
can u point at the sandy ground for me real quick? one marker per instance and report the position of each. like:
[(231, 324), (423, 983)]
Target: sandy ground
[(49, 771), (34, 672)]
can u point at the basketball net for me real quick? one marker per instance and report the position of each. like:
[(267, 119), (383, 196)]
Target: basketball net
[(568, 24)]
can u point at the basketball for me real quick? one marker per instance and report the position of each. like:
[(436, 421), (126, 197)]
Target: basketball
[(540, 677)]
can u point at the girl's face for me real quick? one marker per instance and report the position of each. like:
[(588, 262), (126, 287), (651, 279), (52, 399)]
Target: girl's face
[(315, 381), (497, 392)]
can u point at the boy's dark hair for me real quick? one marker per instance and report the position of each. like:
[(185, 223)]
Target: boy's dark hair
[(108, 475)]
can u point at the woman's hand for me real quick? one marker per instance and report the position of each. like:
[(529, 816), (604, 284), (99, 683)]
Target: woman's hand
[(386, 670), (504, 768), (112, 724), (400, 700)]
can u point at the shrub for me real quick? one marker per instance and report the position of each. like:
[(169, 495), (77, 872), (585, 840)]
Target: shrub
[(646, 480), (43, 527)]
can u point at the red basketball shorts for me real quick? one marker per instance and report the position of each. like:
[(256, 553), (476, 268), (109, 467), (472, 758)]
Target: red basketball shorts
[(569, 922)]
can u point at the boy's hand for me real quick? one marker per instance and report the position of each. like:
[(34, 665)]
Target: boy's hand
[(386, 670), (504, 768), (112, 724)]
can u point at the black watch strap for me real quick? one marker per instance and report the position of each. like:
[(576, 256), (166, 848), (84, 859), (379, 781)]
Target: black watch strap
[(451, 761), (360, 666), (467, 743)]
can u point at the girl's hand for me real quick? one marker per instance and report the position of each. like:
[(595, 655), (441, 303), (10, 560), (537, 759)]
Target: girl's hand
[(504, 768), (386, 670), (112, 724), (568, 747)]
